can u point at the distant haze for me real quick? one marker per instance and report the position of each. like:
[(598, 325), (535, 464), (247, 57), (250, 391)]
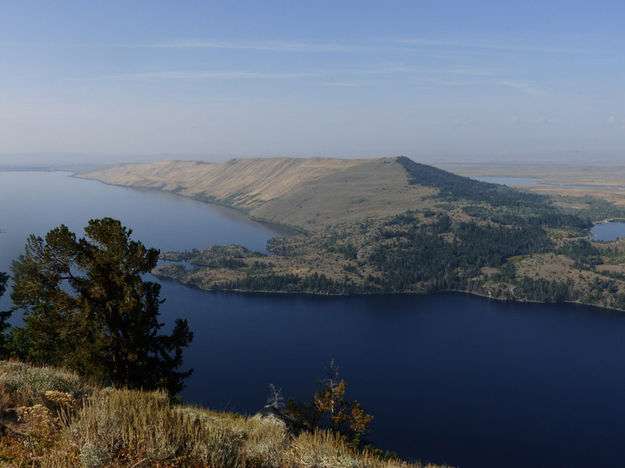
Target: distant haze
[(94, 82)]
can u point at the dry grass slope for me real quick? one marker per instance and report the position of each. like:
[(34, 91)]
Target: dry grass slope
[(305, 193), (51, 418)]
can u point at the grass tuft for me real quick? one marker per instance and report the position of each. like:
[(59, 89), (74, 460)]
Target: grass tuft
[(51, 418)]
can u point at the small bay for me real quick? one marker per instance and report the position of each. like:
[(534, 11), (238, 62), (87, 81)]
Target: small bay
[(608, 231)]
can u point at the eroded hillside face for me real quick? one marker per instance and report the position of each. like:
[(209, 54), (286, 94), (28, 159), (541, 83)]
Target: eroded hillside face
[(305, 193)]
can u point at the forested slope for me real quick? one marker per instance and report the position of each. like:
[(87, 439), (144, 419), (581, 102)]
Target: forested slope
[(392, 225)]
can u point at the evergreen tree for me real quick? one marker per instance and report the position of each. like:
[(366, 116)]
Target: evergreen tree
[(86, 306), (3, 282), (4, 316)]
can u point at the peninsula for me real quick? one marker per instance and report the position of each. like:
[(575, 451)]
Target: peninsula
[(390, 225)]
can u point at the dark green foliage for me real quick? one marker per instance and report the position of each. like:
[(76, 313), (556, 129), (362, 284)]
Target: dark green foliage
[(349, 251), (506, 273), (455, 187), (4, 317), (547, 291), (546, 215), (619, 301), (87, 307), (583, 252), (214, 257), (613, 274), (304, 414), (277, 247), (292, 283), (598, 287), (596, 209), (3, 282), (444, 255)]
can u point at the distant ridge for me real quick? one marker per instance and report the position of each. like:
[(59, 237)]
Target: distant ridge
[(304, 193), (310, 194)]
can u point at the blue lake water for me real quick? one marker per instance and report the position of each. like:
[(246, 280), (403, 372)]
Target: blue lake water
[(608, 231), (450, 378), (509, 180)]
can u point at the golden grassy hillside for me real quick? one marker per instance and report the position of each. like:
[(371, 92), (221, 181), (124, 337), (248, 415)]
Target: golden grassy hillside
[(52, 418), (304, 193)]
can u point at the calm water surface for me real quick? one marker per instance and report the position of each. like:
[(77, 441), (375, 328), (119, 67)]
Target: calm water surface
[(450, 378), (509, 180), (35, 202), (608, 231)]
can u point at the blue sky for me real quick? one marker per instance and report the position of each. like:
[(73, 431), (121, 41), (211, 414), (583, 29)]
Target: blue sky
[(438, 79)]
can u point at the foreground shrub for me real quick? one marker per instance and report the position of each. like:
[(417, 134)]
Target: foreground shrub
[(51, 418)]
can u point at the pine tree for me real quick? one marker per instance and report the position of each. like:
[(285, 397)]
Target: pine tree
[(3, 282), (86, 306), (4, 317)]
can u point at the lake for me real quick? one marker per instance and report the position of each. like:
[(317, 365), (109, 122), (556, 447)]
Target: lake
[(504, 180), (450, 378), (608, 231)]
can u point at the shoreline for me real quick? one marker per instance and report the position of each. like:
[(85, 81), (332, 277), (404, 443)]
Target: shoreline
[(380, 293), (280, 226), (294, 230)]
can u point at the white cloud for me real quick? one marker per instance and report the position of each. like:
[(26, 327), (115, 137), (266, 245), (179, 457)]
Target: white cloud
[(611, 120), (283, 75), (342, 84), (224, 74), (299, 46), (467, 71), (269, 46), (488, 45), (326, 47)]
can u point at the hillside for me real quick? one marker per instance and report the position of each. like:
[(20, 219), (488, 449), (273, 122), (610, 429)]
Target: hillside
[(305, 193), (53, 418), (391, 225)]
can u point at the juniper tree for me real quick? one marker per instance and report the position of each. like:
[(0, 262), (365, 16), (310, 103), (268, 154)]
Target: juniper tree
[(86, 306)]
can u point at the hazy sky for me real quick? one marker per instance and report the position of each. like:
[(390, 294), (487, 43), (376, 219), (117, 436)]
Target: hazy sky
[(315, 78)]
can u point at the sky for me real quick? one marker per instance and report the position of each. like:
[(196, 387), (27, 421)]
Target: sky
[(130, 79)]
